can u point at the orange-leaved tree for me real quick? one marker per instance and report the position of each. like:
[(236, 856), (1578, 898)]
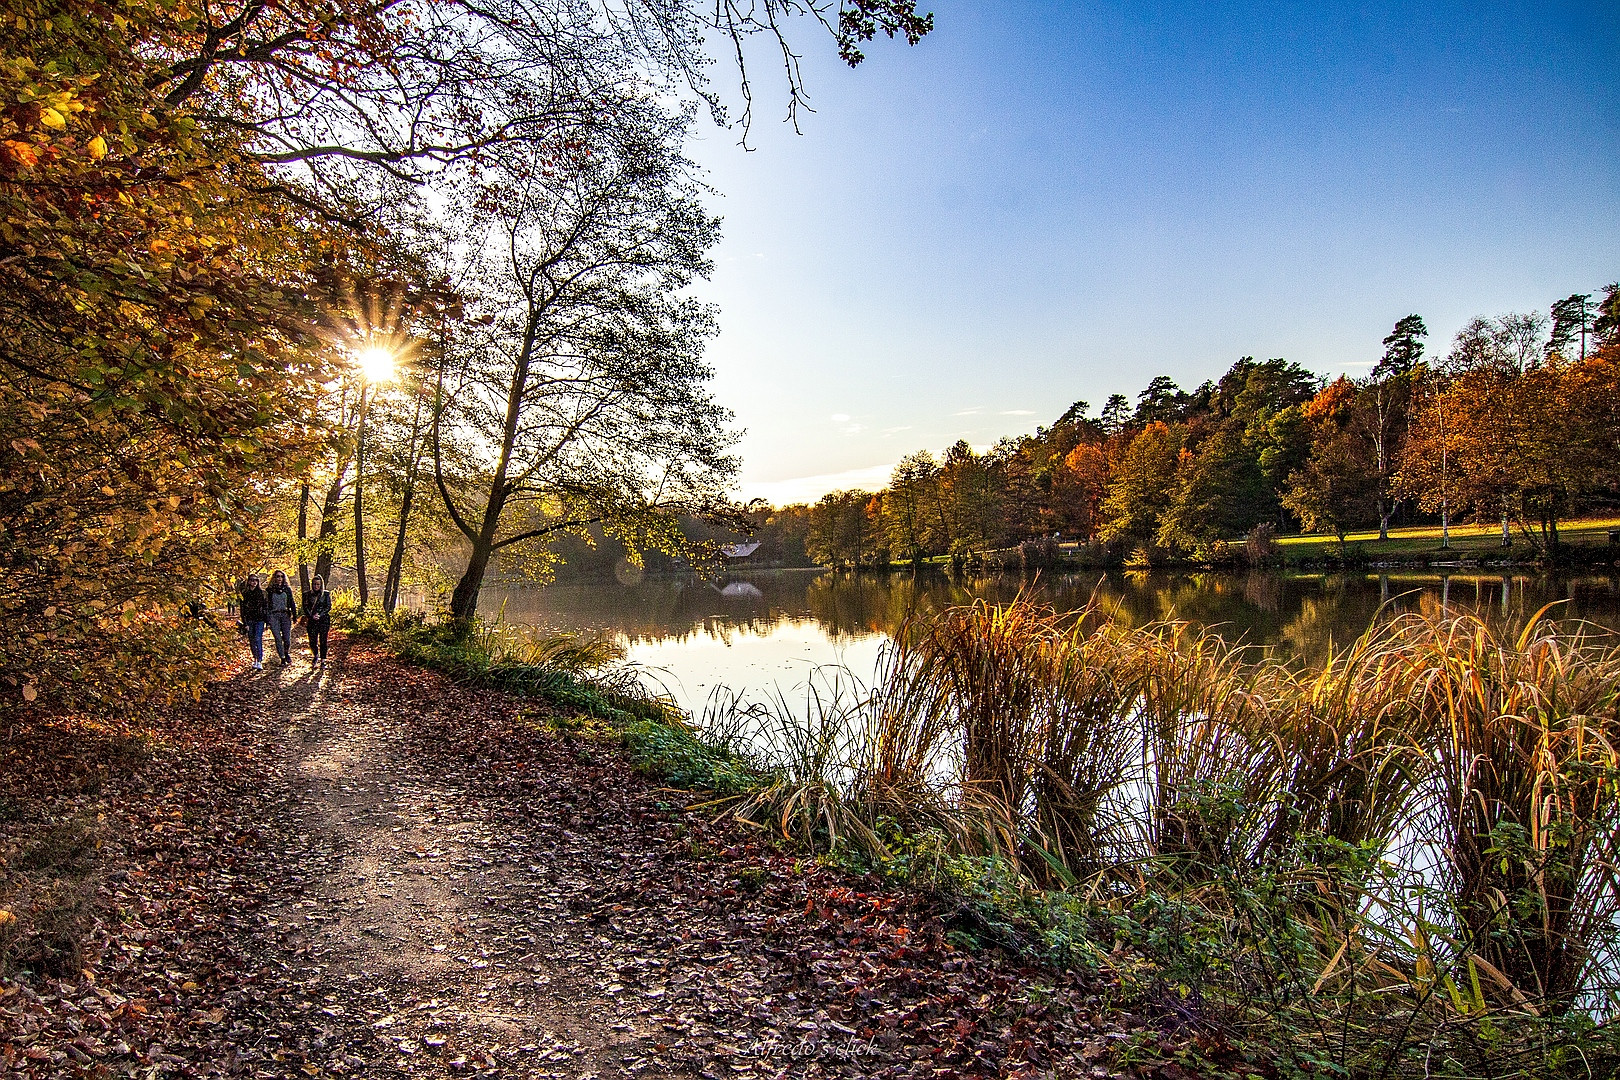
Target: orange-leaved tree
[(159, 361)]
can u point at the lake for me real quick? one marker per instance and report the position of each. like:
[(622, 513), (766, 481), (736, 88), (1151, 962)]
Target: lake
[(764, 632)]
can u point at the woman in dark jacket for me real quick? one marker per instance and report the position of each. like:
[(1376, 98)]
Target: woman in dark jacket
[(255, 612), (317, 619), (283, 609)]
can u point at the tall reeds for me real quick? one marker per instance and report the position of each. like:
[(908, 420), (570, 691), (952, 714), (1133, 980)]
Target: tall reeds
[(1089, 755), (1524, 729)]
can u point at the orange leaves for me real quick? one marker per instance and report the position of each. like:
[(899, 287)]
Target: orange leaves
[(20, 154)]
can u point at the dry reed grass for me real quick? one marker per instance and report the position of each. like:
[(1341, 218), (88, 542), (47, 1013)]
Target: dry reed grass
[(1117, 761)]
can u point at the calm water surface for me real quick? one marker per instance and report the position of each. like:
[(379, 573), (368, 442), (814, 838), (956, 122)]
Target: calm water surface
[(766, 631)]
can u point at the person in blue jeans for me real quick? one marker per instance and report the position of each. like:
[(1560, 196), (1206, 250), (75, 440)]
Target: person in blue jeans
[(282, 608), (255, 612)]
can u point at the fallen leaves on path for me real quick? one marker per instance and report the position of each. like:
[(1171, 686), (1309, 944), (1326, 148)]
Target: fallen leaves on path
[(372, 871)]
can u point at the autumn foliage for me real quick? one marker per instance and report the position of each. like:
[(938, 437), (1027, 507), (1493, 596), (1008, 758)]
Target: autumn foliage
[(156, 359)]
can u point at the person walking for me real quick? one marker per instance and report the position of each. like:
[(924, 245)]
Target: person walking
[(283, 609), (317, 620), (254, 613)]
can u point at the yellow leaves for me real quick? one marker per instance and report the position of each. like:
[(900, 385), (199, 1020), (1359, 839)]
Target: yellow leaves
[(6, 917), (52, 119), (97, 147)]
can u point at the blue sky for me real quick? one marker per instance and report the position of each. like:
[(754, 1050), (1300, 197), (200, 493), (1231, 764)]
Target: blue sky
[(1046, 202)]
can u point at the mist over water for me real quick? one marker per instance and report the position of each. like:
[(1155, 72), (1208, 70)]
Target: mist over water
[(766, 631)]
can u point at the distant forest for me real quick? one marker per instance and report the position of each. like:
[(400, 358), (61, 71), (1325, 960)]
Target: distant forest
[(1518, 421)]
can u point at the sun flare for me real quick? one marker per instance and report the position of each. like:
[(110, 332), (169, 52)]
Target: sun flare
[(376, 362)]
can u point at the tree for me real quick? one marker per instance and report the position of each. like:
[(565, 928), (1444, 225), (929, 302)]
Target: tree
[(1606, 322), (1162, 401), (1142, 484), (1571, 322), (1403, 348), (1511, 342), (1239, 454), (1219, 491), (585, 394), (157, 363), (1339, 485), (844, 530), (365, 103), (908, 506), (1076, 413), (1386, 406), (1529, 444), (1079, 485), (1116, 414), (970, 500)]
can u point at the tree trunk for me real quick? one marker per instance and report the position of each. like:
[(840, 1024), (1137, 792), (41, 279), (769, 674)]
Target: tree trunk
[(303, 534), (359, 506), (396, 563), (464, 601), (1383, 468), (329, 522)]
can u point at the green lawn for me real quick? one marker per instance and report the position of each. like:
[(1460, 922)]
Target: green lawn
[(1481, 540)]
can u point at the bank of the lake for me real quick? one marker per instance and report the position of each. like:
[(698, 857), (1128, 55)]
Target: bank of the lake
[(762, 630)]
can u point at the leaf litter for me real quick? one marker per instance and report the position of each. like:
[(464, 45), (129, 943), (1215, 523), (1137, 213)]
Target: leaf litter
[(372, 871)]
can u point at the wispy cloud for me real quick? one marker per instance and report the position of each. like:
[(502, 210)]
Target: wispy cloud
[(1017, 412), (975, 411)]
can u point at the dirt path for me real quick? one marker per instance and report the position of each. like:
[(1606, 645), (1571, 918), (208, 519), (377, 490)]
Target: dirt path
[(421, 934), (372, 871)]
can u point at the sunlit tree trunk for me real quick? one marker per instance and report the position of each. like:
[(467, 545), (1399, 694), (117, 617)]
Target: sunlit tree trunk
[(396, 563), (359, 503)]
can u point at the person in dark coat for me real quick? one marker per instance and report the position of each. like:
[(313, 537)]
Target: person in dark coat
[(254, 613), (282, 608), (317, 619)]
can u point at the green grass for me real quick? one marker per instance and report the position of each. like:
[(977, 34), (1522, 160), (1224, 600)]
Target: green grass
[(1482, 540)]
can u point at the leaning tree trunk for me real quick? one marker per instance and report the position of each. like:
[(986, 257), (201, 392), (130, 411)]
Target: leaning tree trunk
[(329, 523), (303, 534), (464, 601), (396, 563)]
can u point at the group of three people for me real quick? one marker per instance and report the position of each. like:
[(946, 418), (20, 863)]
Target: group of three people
[(276, 608)]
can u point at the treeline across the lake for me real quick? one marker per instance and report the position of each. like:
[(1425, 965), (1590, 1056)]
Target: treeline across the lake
[(1518, 423)]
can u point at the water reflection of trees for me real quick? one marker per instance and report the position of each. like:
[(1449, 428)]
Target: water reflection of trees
[(1301, 614)]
